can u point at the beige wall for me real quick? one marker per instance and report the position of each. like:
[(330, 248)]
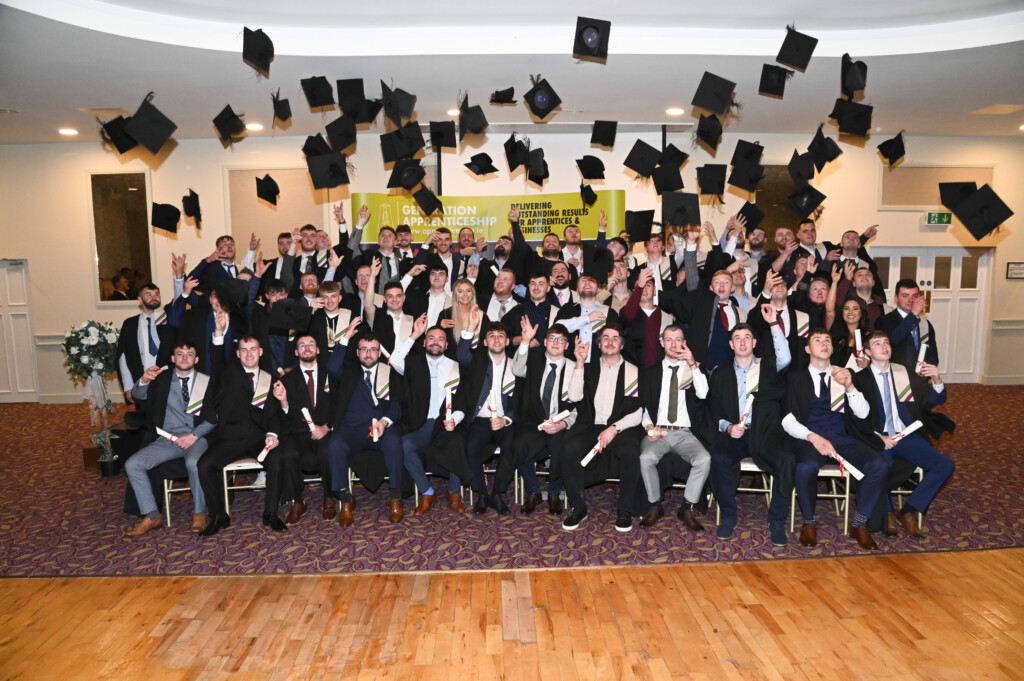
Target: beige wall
[(45, 216)]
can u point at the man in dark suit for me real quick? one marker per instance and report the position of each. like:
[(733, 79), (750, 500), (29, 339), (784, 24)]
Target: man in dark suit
[(793, 323), (246, 424), (307, 259), (393, 265), (145, 339), (273, 268), (438, 248), (367, 401), (908, 329), (182, 403), (585, 317), (330, 322), (711, 312), (388, 322), (586, 257), (431, 299), (214, 322), (745, 401), (527, 260), (487, 270)]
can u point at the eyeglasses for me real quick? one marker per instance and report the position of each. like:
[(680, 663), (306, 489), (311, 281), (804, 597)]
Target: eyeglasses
[(557, 339)]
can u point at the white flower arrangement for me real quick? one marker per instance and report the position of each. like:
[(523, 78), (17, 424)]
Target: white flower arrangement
[(90, 353)]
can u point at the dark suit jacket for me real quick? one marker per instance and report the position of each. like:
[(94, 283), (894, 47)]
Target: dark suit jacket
[(650, 397), (348, 377), (531, 408), (298, 397), (920, 408), (475, 366), (696, 308), (899, 330), (128, 345), (766, 434), (238, 419)]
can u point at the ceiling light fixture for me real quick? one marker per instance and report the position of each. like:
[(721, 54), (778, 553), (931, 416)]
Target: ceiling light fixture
[(254, 126), (1022, 127), (453, 112), (68, 131), (674, 111)]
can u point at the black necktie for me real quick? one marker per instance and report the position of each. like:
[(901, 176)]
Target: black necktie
[(153, 345), (823, 388), (184, 391), (369, 383), (252, 381), (549, 386)]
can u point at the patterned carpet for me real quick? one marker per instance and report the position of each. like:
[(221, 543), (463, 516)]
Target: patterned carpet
[(57, 518)]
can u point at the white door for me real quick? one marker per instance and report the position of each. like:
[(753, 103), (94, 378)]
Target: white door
[(18, 380), (954, 281)]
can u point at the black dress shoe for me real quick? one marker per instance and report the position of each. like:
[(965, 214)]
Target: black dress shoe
[(499, 505), (274, 523), (554, 504), (217, 523), (480, 505), (533, 500)]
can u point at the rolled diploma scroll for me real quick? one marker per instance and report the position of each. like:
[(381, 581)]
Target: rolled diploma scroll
[(907, 431), (591, 454), (746, 408), (560, 416), (164, 434), (263, 454), (373, 429), (845, 465), (920, 355), (447, 404), (490, 405), (308, 419), (858, 341)]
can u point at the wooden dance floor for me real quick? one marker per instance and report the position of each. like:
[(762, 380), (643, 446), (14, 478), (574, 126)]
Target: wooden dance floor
[(911, 616)]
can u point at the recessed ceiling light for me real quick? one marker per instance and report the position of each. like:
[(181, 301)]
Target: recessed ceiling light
[(253, 126), (674, 111), (1022, 127), (453, 112), (68, 131), (999, 109)]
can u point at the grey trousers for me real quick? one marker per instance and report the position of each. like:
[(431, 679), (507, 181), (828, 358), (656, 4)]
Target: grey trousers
[(684, 444), (151, 456)]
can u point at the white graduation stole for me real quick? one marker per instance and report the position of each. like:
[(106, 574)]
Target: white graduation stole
[(902, 380), (837, 394), (686, 377), (924, 330), (321, 258), (259, 395), (820, 249), (341, 324), (404, 329), (803, 323), (632, 380), (160, 317), (382, 386), (195, 404), (451, 382), (508, 379), (667, 320), (753, 381)]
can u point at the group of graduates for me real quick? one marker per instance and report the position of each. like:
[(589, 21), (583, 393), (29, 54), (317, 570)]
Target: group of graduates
[(585, 361)]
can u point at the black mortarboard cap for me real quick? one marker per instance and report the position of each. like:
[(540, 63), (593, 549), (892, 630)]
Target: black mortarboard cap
[(853, 76), (190, 203), (680, 210), (282, 107), (773, 80), (709, 130), (406, 174), (318, 91), (642, 158), (796, 49), (953, 193), (714, 93), (667, 179), (804, 201), (541, 99), (257, 50), (982, 212), (746, 152), (672, 157), (481, 164), (893, 149), (854, 118), (604, 133), (587, 194), (149, 127), (801, 168), (591, 38), (753, 216), (352, 100), (516, 152), (591, 167), (232, 293), (638, 224), (267, 189), (112, 132), (427, 201), (823, 149), (328, 171), (228, 124), (442, 134), (341, 132), (316, 145), (506, 96), (746, 175), (711, 178), (289, 313), (471, 118), (398, 104), (402, 143), (536, 167), (166, 216)]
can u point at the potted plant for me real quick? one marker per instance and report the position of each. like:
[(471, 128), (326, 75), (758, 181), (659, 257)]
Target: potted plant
[(90, 353)]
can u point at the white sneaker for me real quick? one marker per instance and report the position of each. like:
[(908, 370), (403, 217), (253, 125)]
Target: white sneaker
[(261, 479)]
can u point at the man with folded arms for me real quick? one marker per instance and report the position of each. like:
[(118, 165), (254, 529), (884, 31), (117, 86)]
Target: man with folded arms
[(745, 402), (827, 415), (898, 398), (183, 404), (672, 392), (245, 425)]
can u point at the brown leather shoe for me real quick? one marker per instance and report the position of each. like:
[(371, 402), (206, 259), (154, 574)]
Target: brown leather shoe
[(863, 537), (345, 514), (657, 511), (455, 499), (890, 525), (909, 523), (532, 501), (198, 522), (144, 526), (397, 512), (425, 501), (809, 535), (554, 505), (298, 510), (685, 514), (330, 508)]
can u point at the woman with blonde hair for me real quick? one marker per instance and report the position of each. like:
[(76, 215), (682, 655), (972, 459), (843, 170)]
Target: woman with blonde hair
[(455, 319)]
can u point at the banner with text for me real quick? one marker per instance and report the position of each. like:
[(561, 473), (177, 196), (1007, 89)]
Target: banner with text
[(488, 215)]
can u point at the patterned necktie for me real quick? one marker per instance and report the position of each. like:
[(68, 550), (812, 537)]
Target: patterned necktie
[(673, 395), (311, 387), (890, 426), (366, 379), (154, 346), (549, 387), (723, 317), (184, 391), (501, 310)]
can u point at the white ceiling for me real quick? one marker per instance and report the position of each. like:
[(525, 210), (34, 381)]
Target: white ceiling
[(931, 62)]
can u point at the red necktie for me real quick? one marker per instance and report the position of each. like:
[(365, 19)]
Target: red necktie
[(723, 317), (311, 388), (252, 381), (782, 323)]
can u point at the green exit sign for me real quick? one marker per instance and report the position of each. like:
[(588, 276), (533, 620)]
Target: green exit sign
[(936, 218)]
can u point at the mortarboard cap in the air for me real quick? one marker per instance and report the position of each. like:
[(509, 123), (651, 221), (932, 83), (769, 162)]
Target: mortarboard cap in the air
[(398, 104), (709, 130), (746, 175), (149, 127), (591, 167), (318, 91), (266, 189), (328, 170), (746, 152), (680, 209), (427, 201), (341, 132), (537, 167), (853, 76), (753, 216), (591, 40), (112, 132), (892, 149), (166, 216), (190, 204), (796, 49), (982, 212), (471, 118), (402, 143), (801, 168), (316, 145), (854, 118), (714, 93), (711, 178), (289, 313), (604, 133), (506, 96), (282, 107), (667, 179), (541, 99), (951, 194), (773, 80), (257, 50), (672, 157), (823, 149), (642, 158), (352, 100), (588, 195), (638, 224), (442, 134), (228, 124), (480, 164), (406, 174), (516, 153), (804, 201)]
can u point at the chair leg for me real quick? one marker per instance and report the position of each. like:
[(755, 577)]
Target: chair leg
[(227, 502), (846, 507), (792, 510), (167, 501)]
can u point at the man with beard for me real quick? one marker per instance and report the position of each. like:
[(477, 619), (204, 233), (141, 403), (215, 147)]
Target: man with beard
[(308, 259), (616, 295), (145, 339), (501, 300), (587, 258), (785, 246), (551, 250), (561, 292), (183, 404), (403, 243), (389, 324), (538, 309), (246, 424), (438, 248), (586, 317), (662, 266), (865, 286), (484, 274)]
